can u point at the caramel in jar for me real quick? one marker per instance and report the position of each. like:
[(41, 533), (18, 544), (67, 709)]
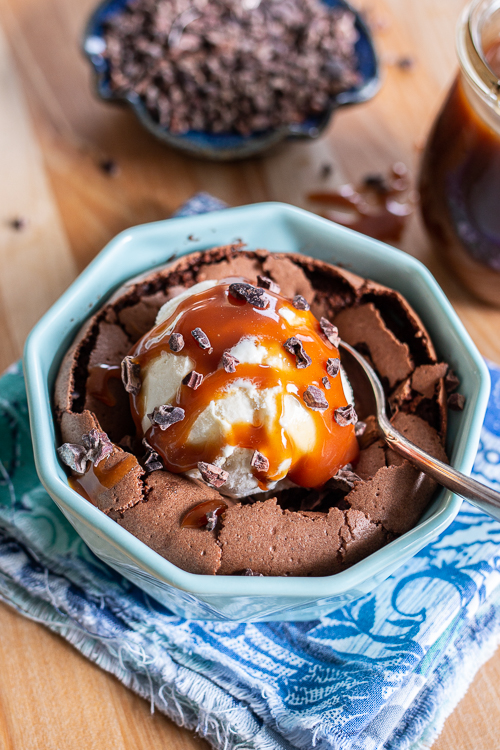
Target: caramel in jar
[(460, 184)]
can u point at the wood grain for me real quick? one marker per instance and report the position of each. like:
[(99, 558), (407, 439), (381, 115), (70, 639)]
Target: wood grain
[(53, 136), (25, 194)]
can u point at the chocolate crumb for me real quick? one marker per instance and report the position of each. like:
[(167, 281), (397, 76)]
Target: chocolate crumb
[(131, 375), (193, 380), (74, 456), (109, 167), (314, 398), (249, 572), (254, 295), (192, 238), (266, 283), (330, 331), (18, 223), (166, 415), (212, 474), (98, 446), (300, 303), (176, 342), (333, 366), (456, 401), (325, 171), (294, 346), (377, 183), (451, 382), (259, 461), (201, 338), (405, 63), (345, 415), (326, 383), (229, 362)]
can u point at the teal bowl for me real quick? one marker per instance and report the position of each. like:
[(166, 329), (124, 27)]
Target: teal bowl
[(277, 227)]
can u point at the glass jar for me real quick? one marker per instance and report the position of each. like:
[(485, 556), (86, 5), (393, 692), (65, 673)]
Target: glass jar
[(460, 172)]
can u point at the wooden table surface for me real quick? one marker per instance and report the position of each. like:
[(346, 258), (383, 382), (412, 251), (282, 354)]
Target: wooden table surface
[(53, 134)]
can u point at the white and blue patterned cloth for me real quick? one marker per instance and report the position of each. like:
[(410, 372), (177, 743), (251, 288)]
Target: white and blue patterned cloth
[(382, 672)]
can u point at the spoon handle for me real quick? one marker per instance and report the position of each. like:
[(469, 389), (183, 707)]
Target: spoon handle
[(478, 494)]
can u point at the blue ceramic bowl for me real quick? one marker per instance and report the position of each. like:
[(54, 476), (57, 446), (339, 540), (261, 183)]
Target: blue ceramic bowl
[(277, 227), (226, 146)]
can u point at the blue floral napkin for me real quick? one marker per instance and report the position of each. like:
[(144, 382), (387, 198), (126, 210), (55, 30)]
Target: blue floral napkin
[(383, 672)]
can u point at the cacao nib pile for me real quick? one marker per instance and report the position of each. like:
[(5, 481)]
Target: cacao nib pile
[(231, 65)]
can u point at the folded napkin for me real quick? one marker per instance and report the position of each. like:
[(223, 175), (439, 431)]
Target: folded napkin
[(382, 672)]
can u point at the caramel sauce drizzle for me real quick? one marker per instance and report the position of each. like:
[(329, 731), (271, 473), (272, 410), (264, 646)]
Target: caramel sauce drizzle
[(98, 382), (100, 478), (226, 320), (196, 517)]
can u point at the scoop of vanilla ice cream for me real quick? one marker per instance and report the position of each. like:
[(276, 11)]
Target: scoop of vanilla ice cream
[(240, 402)]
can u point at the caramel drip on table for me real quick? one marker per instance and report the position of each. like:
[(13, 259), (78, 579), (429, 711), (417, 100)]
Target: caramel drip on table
[(378, 208), (226, 320)]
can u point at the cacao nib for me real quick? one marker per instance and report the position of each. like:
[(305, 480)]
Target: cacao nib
[(266, 283), (333, 366), (98, 445), (212, 474), (166, 415), (456, 401), (152, 462), (254, 295), (451, 382), (330, 331), (131, 375), (300, 303), (229, 362), (360, 429), (201, 338), (345, 415), (344, 480), (259, 461), (314, 398), (176, 342), (193, 380), (294, 346), (74, 456)]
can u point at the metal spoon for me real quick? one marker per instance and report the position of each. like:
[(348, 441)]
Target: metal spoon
[(478, 494)]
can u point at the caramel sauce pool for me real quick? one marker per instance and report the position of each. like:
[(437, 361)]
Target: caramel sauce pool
[(226, 320)]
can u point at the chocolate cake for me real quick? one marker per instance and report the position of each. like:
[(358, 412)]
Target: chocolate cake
[(295, 530)]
